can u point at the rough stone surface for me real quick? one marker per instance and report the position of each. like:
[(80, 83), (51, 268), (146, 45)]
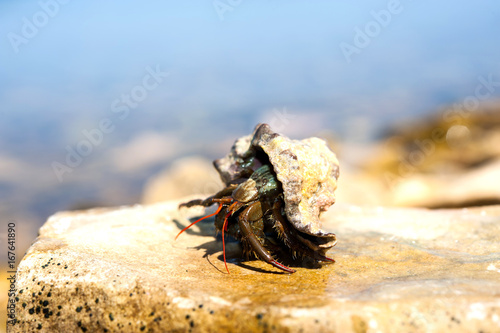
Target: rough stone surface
[(399, 270)]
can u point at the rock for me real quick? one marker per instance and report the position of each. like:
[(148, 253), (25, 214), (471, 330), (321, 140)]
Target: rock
[(186, 176), (449, 140), (450, 159), (399, 270), (474, 187)]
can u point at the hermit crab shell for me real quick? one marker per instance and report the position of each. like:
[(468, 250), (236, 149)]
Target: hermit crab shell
[(307, 169)]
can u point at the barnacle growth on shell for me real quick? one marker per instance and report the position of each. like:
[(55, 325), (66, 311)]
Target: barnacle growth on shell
[(307, 169)]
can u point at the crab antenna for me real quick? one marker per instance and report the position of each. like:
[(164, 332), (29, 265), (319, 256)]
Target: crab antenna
[(204, 217), (326, 258), (224, 226)]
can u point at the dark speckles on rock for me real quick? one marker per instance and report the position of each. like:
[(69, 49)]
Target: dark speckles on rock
[(78, 309), (259, 316), (111, 317), (31, 311), (49, 294), (96, 300), (152, 313), (188, 316), (59, 307), (157, 319), (24, 305), (143, 328), (191, 323), (45, 303), (39, 327)]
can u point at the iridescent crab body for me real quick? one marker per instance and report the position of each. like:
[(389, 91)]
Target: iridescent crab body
[(252, 213)]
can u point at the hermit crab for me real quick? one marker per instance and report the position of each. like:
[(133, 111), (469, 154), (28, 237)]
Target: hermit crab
[(275, 190)]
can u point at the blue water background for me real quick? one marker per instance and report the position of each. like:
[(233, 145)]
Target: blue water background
[(230, 65)]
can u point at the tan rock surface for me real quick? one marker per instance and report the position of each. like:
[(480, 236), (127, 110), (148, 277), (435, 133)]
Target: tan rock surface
[(399, 270), (186, 176), (447, 160)]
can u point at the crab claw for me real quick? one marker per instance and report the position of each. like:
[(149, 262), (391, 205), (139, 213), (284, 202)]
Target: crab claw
[(256, 245), (281, 266), (328, 259)]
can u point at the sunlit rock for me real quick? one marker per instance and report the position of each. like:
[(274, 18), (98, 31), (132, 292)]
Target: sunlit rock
[(120, 270)]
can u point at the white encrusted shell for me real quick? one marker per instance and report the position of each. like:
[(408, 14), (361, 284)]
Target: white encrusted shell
[(307, 169)]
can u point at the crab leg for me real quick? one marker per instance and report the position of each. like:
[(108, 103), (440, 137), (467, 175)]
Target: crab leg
[(224, 226), (291, 238), (254, 241), (204, 217), (211, 199)]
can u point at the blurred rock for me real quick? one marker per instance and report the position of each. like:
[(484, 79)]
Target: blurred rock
[(446, 141), (186, 176), (447, 160), (477, 187), (120, 270)]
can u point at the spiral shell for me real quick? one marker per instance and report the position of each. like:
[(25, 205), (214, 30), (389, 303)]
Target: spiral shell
[(307, 169)]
